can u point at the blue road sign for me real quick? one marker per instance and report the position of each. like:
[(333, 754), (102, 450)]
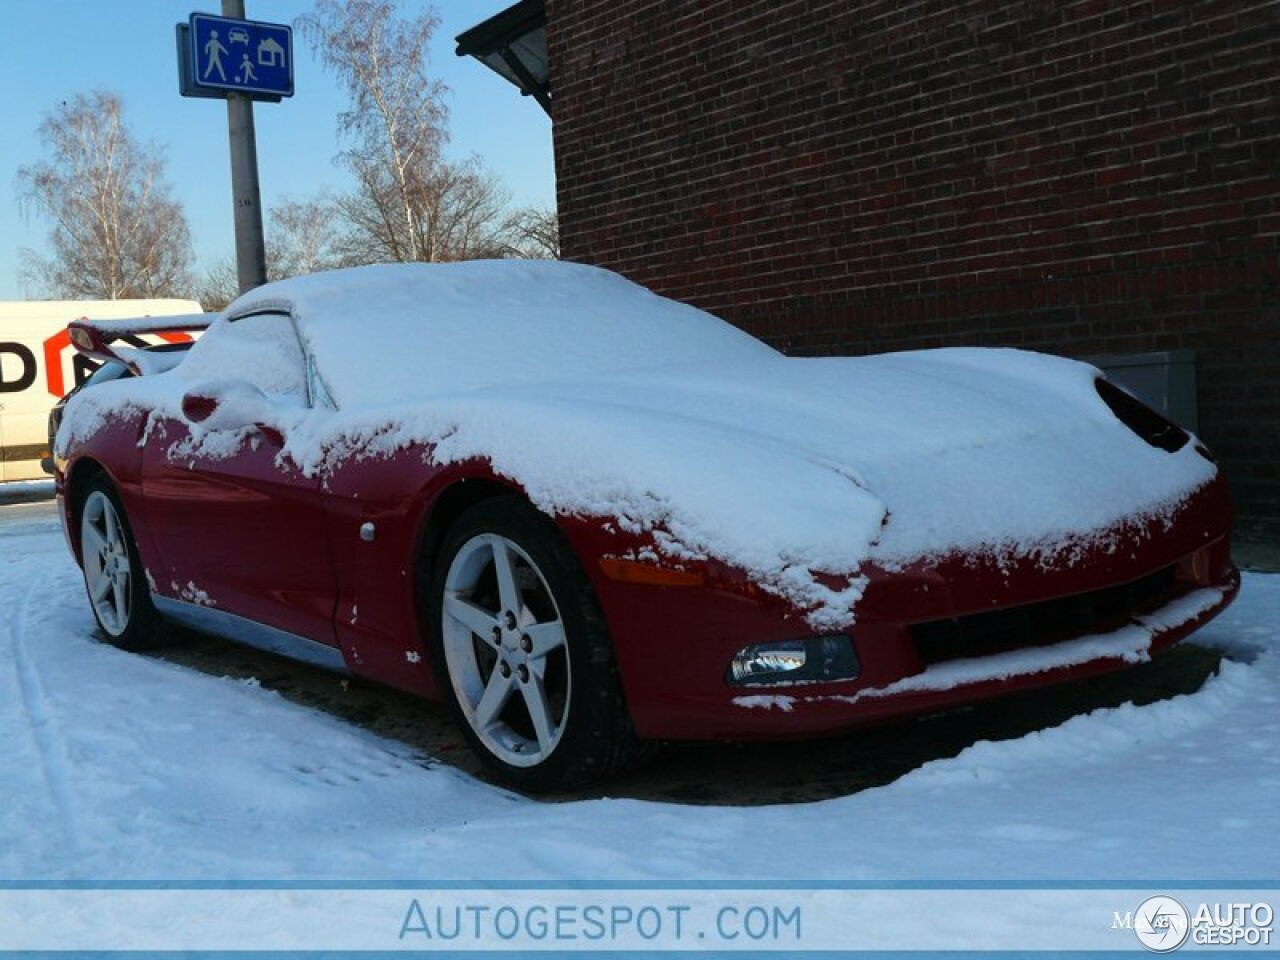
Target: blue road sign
[(244, 56)]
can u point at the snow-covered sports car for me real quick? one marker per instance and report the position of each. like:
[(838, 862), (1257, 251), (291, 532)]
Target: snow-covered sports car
[(590, 517)]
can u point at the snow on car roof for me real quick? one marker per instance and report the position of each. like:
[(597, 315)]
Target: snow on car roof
[(398, 331)]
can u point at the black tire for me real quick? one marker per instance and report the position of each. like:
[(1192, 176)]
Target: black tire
[(596, 738), (138, 626)]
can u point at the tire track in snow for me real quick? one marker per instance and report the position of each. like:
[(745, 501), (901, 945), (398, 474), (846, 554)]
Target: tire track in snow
[(42, 723)]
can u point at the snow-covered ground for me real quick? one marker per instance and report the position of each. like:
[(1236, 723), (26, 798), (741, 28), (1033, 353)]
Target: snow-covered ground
[(25, 490), (117, 768)]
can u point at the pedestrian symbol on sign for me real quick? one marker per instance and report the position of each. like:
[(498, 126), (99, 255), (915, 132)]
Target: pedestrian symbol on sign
[(213, 51)]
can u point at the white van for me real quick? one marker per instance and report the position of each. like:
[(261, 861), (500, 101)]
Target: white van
[(38, 366)]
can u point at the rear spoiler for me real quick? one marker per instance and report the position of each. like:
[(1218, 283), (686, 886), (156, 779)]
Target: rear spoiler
[(93, 337)]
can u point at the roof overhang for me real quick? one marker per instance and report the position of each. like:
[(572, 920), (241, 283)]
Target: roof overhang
[(513, 44)]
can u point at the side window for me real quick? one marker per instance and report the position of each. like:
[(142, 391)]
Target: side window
[(261, 348), (320, 396)]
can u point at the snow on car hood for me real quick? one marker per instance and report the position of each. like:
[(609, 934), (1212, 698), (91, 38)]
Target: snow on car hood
[(601, 399)]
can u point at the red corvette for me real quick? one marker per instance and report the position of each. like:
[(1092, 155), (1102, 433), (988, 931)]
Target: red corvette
[(589, 517)]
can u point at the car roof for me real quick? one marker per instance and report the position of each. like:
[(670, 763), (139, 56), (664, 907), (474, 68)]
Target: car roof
[(395, 332)]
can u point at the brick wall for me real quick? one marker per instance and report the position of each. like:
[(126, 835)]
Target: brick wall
[(841, 176)]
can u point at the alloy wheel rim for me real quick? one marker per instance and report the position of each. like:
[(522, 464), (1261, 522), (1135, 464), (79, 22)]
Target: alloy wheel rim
[(107, 571), (506, 650)]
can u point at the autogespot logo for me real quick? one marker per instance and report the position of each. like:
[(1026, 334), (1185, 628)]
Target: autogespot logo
[(1161, 924)]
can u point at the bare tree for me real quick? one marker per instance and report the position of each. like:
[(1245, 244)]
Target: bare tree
[(218, 285), (116, 230), (410, 203), (458, 210), (304, 236), (466, 212), (532, 233)]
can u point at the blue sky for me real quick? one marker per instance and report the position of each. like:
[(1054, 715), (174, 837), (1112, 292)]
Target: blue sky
[(50, 49)]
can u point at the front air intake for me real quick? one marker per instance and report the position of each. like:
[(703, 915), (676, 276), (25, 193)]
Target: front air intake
[(1048, 622)]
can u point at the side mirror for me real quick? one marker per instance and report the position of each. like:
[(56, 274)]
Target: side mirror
[(231, 405), (198, 407)]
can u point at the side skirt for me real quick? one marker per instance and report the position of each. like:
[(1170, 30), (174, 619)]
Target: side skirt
[(238, 629)]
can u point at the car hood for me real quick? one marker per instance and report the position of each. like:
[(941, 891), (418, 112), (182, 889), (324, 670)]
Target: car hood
[(791, 468)]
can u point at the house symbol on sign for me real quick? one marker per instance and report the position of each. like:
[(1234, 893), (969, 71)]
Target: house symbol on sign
[(270, 53)]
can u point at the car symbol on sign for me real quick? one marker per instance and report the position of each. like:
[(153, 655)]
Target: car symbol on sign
[(236, 35)]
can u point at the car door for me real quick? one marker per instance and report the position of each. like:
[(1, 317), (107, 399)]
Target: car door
[(239, 528)]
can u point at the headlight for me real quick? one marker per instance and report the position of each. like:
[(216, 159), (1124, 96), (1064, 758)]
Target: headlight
[(810, 660)]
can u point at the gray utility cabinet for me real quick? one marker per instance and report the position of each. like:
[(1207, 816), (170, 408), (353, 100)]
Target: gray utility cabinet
[(1164, 380)]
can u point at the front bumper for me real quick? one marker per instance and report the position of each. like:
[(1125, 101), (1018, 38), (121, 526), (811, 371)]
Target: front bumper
[(955, 682), (673, 644)]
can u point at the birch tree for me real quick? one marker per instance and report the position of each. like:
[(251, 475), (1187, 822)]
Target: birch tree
[(410, 202), (116, 230)]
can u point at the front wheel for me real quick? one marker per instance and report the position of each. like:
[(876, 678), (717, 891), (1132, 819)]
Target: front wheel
[(113, 575), (524, 652)]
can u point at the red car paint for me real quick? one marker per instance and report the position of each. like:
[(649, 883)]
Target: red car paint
[(263, 548), (270, 544)]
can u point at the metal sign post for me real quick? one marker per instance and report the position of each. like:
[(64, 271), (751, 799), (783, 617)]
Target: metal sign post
[(241, 60), (251, 246)]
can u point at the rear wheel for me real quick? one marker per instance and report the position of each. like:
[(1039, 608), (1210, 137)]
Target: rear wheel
[(524, 653), (113, 575)]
